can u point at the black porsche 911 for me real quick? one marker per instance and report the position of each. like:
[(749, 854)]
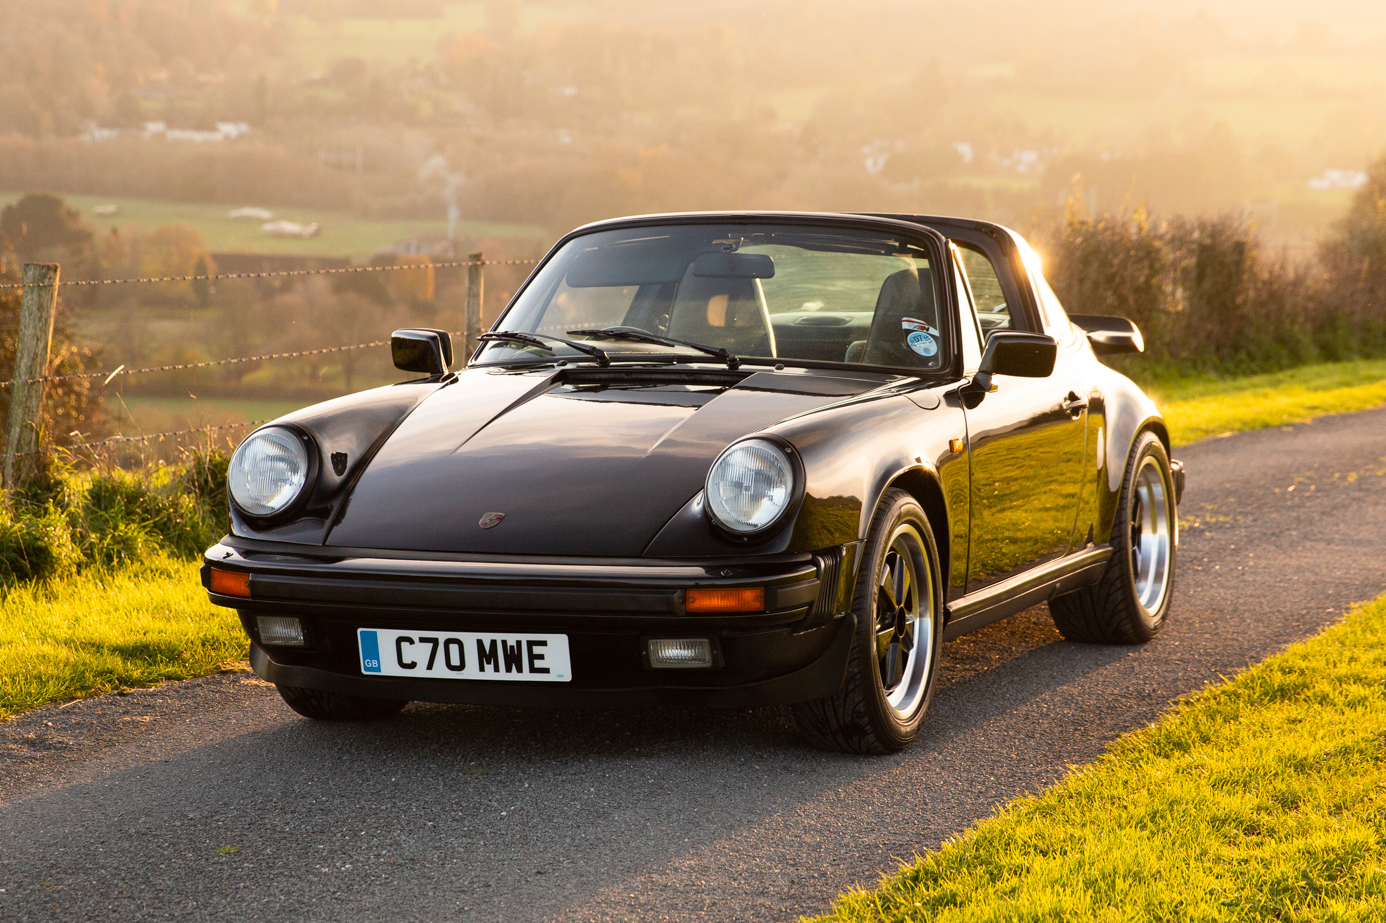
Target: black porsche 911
[(724, 459)]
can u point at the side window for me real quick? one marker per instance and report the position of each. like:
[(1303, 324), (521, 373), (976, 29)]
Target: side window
[(967, 323), (992, 311)]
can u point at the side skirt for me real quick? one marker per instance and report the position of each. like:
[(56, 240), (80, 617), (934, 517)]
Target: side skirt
[(976, 610)]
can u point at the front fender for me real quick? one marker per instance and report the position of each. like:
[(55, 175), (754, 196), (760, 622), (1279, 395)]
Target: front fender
[(351, 428), (852, 453)]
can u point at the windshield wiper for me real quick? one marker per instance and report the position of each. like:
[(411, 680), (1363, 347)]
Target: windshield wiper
[(636, 335), (537, 339)]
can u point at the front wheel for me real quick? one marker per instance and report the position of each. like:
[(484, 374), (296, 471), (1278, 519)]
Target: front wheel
[(894, 658), (335, 706), (1128, 605)]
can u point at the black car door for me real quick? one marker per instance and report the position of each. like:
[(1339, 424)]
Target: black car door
[(1027, 438)]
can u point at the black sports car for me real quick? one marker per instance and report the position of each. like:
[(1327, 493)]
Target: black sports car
[(726, 459)]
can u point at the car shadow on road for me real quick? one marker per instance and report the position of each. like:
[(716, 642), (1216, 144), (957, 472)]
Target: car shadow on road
[(567, 807), (992, 670)]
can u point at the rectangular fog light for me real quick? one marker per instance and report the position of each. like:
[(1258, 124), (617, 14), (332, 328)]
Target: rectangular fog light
[(280, 630), (675, 653)]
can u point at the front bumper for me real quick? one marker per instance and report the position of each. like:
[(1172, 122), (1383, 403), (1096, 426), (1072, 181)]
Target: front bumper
[(794, 651)]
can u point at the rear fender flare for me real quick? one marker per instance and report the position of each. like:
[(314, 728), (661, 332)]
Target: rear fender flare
[(1121, 441)]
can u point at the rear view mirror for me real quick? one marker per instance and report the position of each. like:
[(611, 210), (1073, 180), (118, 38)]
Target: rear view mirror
[(734, 266), (1110, 335), (1023, 355), (422, 349)]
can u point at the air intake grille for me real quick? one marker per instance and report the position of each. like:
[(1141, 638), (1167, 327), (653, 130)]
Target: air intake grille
[(829, 575)]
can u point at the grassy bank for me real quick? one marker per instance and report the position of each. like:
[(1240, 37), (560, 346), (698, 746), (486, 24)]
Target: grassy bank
[(1197, 408), (98, 581), (1260, 799), (105, 629)]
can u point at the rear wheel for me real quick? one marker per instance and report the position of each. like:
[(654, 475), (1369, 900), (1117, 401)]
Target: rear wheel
[(1129, 604), (335, 706), (894, 658)]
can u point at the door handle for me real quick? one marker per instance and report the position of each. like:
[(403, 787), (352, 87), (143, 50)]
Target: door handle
[(1074, 405)]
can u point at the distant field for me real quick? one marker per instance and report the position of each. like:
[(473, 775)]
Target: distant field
[(1087, 120), (342, 234), (137, 415), (1336, 71), (398, 41)]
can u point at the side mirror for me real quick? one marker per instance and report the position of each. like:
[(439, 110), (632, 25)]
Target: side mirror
[(1011, 352), (1110, 335), (422, 349)]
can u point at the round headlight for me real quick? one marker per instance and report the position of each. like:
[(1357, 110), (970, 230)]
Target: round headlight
[(268, 471), (750, 486)]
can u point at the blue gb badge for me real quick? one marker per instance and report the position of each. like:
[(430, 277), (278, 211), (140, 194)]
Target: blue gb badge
[(370, 651)]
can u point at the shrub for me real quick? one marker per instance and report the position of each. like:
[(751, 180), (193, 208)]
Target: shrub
[(1354, 269), (1209, 298), (36, 545), (64, 520)]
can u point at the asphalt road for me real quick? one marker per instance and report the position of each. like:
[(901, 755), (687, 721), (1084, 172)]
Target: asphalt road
[(210, 800)]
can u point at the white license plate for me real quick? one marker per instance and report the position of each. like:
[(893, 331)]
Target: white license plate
[(464, 655)]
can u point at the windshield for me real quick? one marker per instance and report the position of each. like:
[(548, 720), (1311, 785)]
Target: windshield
[(755, 290)]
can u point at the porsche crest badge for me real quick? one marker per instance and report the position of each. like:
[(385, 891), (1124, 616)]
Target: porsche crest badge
[(491, 520)]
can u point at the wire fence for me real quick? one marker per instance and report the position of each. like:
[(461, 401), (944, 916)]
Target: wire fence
[(97, 444), (210, 363), (107, 376), (271, 274)]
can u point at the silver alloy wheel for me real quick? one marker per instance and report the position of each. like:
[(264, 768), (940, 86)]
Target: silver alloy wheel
[(905, 622), (1151, 535)]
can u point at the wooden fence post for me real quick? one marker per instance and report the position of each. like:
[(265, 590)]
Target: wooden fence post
[(30, 361), (475, 289)]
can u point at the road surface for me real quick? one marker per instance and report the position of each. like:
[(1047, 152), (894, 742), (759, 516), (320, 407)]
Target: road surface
[(210, 800)]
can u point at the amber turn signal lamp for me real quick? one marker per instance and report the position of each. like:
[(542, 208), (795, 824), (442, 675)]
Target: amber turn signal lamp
[(230, 583), (717, 599)]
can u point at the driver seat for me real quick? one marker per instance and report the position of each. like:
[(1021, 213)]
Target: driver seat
[(730, 313), (907, 293)]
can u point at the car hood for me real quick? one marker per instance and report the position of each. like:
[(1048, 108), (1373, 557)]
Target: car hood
[(581, 461)]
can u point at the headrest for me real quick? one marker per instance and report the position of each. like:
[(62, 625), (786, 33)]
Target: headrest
[(905, 316)]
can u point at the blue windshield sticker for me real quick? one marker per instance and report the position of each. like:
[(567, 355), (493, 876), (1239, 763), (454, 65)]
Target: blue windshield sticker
[(370, 651), (923, 344)]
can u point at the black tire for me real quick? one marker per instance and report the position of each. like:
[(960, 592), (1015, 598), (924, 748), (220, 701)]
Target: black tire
[(860, 716), (334, 706), (1124, 607)]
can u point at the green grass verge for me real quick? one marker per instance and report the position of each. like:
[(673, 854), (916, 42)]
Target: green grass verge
[(342, 234), (105, 630), (1197, 408), (1263, 798)]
